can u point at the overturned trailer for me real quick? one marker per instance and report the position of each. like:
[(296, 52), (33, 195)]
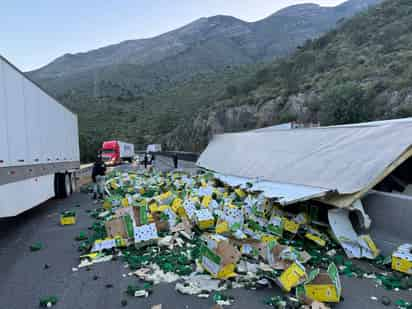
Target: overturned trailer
[(337, 166)]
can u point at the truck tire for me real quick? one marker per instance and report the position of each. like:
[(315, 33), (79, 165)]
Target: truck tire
[(57, 185), (67, 191), (73, 183), (62, 185)]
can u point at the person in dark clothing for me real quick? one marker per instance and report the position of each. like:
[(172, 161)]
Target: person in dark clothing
[(175, 160), (152, 159), (98, 177), (145, 160)]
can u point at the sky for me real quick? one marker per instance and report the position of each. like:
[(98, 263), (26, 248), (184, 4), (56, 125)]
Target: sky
[(33, 33)]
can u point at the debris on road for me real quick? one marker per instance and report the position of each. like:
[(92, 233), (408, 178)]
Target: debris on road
[(48, 302), (68, 217), (123, 302), (36, 246), (207, 236), (386, 301), (402, 259)]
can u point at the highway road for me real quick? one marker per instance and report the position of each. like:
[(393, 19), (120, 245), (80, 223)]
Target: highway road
[(25, 279)]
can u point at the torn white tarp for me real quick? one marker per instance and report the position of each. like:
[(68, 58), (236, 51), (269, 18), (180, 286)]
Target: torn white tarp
[(347, 159), (284, 194), (355, 246)]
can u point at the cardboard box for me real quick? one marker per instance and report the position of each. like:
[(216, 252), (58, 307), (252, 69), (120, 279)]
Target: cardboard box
[(140, 215), (206, 201), (290, 225), (220, 259), (172, 217), (165, 198), (233, 215), (402, 259), (112, 201), (177, 207), (109, 243), (316, 236), (125, 202), (189, 209), (240, 193), (275, 225), (324, 286), (161, 221), (316, 239), (133, 212), (280, 256), (120, 227), (222, 227), (292, 276), (145, 234), (68, 218), (253, 249), (266, 238), (114, 185), (204, 219)]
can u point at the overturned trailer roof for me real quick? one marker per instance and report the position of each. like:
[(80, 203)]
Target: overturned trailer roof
[(348, 160)]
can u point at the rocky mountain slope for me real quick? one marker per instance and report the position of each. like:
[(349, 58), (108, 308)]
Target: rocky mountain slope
[(205, 45), (359, 72)]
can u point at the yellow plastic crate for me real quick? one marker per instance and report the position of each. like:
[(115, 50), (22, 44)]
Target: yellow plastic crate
[(67, 220)]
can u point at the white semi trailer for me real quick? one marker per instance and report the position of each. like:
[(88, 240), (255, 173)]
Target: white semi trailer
[(39, 144)]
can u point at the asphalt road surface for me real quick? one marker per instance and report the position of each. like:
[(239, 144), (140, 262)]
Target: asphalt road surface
[(24, 279)]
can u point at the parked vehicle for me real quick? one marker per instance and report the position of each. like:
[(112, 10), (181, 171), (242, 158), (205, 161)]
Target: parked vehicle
[(115, 152), (39, 140), (154, 148)]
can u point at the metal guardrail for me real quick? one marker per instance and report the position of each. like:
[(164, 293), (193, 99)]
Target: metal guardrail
[(85, 170), (181, 155)]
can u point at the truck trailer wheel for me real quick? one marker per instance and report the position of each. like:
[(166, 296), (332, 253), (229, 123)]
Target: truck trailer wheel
[(62, 185), (73, 183)]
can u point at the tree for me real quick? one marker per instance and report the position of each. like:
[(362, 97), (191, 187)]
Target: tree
[(347, 103), (231, 90)]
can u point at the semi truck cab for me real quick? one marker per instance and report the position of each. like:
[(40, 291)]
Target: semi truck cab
[(111, 153), (114, 152)]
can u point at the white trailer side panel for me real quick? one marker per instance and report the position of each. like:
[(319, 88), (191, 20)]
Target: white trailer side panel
[(4, 153), (43, 126), (36, 191), (34, 127), (33, 118), (16, 116), (126, 150)]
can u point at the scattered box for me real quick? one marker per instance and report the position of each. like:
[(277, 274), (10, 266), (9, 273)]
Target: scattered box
[(275, 225), (204, 219), (316, 236), (402, 259), (222, 227), (221, 261), (68, 218), (189, 209), (120, 227), (177, 207), (290, 225), (292, 276), (324, 286), (145, 233), (109, 243)]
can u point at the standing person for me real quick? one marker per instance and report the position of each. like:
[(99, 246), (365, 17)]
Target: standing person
[(152, 159), (175, 160), (145, 160), (98, 177)]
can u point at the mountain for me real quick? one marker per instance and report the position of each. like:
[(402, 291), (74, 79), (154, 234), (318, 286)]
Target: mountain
[(205, 45), (358, 72), (150, 90)]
